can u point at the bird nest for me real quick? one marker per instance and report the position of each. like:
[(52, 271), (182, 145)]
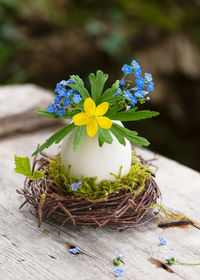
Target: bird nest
[(121, 203)]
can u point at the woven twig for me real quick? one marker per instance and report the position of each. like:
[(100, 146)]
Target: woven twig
[(121, 210)]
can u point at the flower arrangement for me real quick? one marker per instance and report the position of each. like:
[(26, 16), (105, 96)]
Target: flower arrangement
[(95, 179), (94, 113)]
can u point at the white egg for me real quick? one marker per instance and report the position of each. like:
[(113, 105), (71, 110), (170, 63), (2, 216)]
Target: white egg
[(91, 160)]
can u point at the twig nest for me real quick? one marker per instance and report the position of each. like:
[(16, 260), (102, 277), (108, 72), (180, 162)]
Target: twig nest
[(91, 160), (121, 204)]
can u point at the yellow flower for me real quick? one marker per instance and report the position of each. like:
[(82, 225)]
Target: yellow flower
[(92, 117)]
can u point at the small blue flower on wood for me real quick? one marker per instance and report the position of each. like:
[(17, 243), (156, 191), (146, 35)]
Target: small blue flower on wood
[(118, 271), (162, 241), (74, 251)]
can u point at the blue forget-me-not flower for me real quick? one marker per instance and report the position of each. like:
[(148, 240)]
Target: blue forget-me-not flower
[(128, 95), (57, 99), (135, 64), (162, 241), (51, 108), (118, 271), (140, 82), (67, 102), (148, 77), (137, 72), (150, 86), (127, 69), (60, 111), (74, 251), (122, 82), (75, 186), (62, 92), (76, 98), (119, 91), (139, 93)]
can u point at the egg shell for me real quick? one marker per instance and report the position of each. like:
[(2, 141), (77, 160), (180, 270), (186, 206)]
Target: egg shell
[(91, 160)]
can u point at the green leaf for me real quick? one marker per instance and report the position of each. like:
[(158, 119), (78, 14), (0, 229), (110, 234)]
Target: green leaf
[(79, 85), (140, 141), (78, 138), (97, 84), (55, 138), (123, 130), (69, 114), (118, 135), (114, 100), (108, 95), (104, 136), (117, 107), (131, 135), (131, 115), (37, 175), (23, 166)]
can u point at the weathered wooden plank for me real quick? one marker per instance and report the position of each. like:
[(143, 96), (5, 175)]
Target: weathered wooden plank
[(28, 253), (18, 104)]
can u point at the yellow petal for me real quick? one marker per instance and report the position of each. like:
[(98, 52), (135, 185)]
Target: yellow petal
[(92, 127), (102, 109), (81, 119), (104, 122), (89, 106)]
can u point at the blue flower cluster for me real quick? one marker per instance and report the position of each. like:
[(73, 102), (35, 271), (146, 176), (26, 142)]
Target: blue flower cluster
[(65, 97), (142, 88)]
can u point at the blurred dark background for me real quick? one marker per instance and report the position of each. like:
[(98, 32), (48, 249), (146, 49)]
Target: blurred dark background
[(44, 41)]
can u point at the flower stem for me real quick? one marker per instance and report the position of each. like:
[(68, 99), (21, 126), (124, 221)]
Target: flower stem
[(182, 263)]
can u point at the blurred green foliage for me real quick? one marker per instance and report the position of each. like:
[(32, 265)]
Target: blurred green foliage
[(10, 42), (110, 23)]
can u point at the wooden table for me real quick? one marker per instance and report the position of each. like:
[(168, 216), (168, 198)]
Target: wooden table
[(26, 252)]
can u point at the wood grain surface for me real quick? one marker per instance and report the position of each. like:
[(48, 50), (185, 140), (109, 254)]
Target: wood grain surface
[(26, 252)]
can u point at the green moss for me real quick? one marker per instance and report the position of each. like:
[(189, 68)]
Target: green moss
[(133, 182)]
